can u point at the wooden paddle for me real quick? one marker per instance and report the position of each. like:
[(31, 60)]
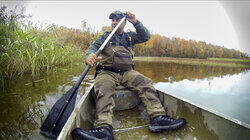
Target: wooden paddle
[(62, 109)]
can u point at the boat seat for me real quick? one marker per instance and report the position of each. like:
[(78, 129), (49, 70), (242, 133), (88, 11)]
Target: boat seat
[(125, 99)]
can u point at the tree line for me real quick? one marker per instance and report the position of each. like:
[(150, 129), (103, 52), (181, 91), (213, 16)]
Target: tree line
[(157, 45), (162, 46)]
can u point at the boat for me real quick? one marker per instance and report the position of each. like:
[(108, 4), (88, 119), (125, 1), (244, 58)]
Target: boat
[(131, 122)]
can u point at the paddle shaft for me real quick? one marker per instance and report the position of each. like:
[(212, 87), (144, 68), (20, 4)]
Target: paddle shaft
[(79, 81)]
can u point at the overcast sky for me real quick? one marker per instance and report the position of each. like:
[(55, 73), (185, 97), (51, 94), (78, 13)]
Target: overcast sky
[(198, 20)]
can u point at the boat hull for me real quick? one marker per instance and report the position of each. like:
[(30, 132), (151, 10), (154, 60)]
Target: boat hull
[(202, 123)]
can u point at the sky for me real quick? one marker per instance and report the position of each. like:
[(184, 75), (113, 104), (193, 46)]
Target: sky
[(197, 20)]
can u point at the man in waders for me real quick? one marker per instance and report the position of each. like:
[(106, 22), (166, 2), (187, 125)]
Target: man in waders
[(116, 68)]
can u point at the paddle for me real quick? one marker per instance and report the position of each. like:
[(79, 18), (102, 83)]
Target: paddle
[(62, 109)]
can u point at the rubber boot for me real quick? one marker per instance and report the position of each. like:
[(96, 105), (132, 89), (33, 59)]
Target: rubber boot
[(99, 133), (165, 123)]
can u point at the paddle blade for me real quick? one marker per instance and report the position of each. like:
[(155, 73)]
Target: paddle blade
[(58, 115)]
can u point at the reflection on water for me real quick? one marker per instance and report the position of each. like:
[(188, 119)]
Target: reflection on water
[(171, 72), (23, 107), (223, 89)]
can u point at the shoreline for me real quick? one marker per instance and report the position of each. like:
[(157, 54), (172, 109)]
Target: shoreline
[(242, 63)]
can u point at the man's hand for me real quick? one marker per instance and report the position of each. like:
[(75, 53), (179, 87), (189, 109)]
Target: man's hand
[(131, 17), (91, 60)]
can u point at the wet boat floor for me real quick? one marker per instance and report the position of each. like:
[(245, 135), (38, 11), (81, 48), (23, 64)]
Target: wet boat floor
[(133, 124), (201, 124)]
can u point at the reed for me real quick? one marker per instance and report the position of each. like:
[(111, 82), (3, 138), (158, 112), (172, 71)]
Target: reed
[(26, 49)]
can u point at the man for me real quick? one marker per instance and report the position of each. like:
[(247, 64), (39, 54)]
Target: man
[(116, 66)]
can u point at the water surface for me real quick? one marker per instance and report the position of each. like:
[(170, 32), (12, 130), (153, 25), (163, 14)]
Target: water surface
[(222, 89), (24, 107)]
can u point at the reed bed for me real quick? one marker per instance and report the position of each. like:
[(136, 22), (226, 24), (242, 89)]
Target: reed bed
[(26, 49)]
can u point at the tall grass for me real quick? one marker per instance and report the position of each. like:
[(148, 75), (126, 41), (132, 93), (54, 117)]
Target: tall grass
[(25, 49)]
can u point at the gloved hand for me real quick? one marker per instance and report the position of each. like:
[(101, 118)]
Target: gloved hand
[(131, 17)]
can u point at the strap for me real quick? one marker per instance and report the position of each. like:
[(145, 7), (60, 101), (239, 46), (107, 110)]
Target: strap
[(112, 69), (127, 39), (117, 41)]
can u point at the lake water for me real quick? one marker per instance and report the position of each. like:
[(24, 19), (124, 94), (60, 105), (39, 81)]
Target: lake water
[(226, 90), (221, 89)]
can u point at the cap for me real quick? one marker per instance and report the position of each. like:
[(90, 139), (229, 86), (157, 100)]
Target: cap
[(118, 14)]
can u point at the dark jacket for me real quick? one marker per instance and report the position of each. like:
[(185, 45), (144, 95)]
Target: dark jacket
[(127, 39)]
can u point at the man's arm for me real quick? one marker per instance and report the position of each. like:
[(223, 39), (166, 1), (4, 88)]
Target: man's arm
[(94, 47), (90, 57), (142, 34)]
